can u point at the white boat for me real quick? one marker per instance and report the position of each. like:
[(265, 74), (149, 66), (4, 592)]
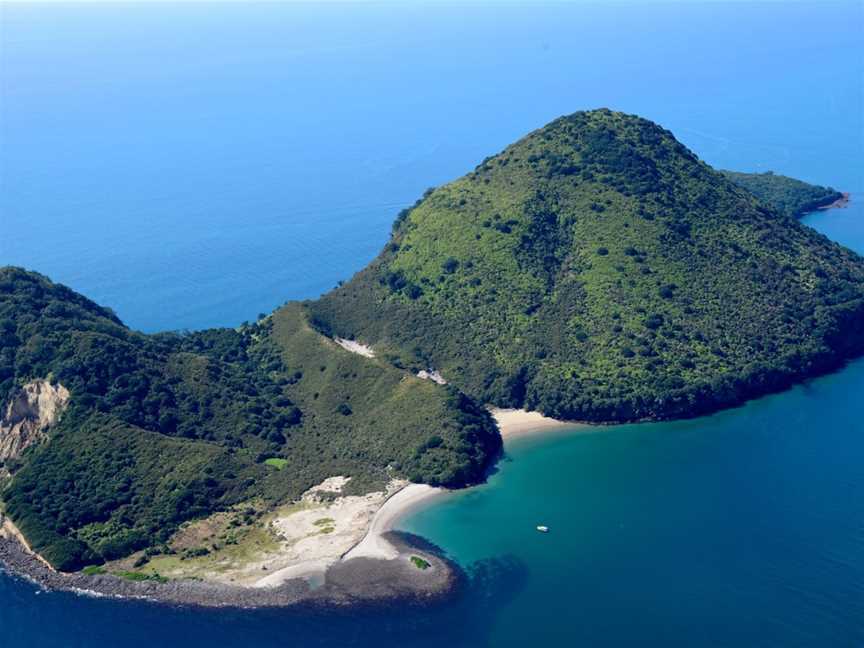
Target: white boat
[(543, 529)]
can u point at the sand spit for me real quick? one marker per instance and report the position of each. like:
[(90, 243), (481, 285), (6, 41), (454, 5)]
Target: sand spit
[(375, 543), (363, 581), (330, 550), (320, 531)]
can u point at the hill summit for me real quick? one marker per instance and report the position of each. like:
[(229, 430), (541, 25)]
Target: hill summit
[(597, 270)]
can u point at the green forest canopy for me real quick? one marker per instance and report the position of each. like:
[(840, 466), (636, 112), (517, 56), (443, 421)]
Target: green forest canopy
[(598, 270), (165, 428), (788, 196)]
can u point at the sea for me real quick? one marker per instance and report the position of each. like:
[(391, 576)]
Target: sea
[(195, 164)]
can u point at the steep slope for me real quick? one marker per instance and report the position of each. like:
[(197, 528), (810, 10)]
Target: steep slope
[(159, 429), (788, 196), (597, 270), (31, 411)]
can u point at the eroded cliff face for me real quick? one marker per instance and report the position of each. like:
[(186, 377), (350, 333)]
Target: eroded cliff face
[(28, 415)]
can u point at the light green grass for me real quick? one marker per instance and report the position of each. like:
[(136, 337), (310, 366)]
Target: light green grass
[(141, 576), (276, 462), (93, 570)]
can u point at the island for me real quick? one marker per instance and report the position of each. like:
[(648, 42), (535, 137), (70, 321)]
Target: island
[(596, 270)]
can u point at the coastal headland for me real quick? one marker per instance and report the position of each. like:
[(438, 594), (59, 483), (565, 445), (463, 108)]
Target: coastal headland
[(310, 566)]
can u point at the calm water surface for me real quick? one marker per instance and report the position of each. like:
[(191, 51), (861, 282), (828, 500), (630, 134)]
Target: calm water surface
[(194, 166)]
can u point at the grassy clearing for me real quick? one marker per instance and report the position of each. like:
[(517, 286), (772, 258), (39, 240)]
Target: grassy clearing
[(224, 542), (276, 462), (93, 570), (141, 576), (234, 550)]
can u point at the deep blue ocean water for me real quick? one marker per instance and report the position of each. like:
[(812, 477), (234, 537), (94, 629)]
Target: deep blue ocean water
[(192, 165)]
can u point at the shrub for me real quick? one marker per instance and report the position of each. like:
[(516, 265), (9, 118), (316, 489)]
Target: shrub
[(450, 265)]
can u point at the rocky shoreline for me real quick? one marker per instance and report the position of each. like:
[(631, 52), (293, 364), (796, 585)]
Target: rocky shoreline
[(360, 581), (838, 203)]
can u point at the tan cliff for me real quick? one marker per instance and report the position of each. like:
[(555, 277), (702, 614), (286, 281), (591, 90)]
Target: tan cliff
[(30, 412)]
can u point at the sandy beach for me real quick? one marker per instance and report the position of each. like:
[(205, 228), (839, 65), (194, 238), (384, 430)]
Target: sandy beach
[(374, 544), (518, 422), (310, 554), (512, 423), (357, 527), (304, 544)]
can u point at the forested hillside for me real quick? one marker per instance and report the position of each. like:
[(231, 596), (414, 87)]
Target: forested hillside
[(788, 196), (164, 428), (598, 270)]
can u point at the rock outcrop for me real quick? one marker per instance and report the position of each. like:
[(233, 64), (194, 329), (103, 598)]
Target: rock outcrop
[(28, 415)]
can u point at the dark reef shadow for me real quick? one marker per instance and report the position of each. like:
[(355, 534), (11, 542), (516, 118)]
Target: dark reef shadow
[(463, 619)]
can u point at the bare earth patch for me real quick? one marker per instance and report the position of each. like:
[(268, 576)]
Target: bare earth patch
[(432, 375), (355, 347)]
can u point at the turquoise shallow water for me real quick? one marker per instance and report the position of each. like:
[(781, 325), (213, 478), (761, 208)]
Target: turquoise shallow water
[(192, 165), (745, 528)]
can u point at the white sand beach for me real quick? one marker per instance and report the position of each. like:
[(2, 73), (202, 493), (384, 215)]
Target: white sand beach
[(373, 544), (518, 422), (356, 530)]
